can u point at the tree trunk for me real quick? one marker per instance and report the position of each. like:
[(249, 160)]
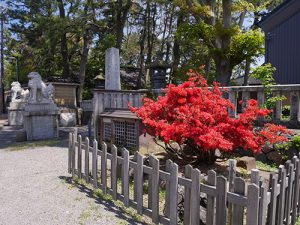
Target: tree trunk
[(122, 13), (223, 71), (247, 71), (83, 62), (64, 44)]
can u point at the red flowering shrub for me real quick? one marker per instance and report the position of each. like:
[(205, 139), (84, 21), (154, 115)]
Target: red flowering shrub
[(196, 115)]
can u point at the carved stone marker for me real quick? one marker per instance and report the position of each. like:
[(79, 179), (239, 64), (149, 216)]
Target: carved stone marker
[(112, 69), (40, 114), (16, 107)]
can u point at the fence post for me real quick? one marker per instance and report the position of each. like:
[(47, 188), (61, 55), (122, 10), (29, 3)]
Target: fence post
[(167, 197), (125, 180), (252, 204), (139, 182), (195, 200), (273, 199), (187, 195), (255, 176), (79, 161), (238, 211), (262, 205), (87, 159), (155, 189), (296, 191), (95, 163), (289, 193), (173, 193), (104, 167), (114, 176), (221, 208), (70, 153), (281, 198), (211, 181), (231, 177), (74, 139)]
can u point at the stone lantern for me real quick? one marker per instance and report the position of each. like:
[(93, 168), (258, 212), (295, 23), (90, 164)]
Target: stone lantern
[(100, 81), (158, 72)]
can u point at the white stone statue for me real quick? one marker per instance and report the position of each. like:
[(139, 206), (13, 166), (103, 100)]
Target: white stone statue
[(18, 93), (39, 91)]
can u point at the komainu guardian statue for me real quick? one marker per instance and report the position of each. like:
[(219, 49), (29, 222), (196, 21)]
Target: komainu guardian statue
[(39, 91), (18, 93)]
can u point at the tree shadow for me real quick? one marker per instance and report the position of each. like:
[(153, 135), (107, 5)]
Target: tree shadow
[(109, 205)]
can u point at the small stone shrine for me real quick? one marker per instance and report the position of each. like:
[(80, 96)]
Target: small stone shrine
[(16, 107), (40, 113)]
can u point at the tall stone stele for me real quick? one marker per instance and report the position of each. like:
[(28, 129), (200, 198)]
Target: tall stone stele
[(16, 107), (40, 112), (112, 69)]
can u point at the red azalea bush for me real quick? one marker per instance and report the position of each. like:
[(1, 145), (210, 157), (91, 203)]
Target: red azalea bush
[(195, 115)]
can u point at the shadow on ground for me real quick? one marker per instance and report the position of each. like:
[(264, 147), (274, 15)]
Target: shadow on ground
[(109, 205)]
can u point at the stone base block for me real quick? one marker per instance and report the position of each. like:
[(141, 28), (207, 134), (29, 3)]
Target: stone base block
[(15, 113), (15, 117), (41, 121), (247, 163)]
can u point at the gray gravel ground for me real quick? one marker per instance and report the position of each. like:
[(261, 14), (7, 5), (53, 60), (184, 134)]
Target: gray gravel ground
[(34, 190)]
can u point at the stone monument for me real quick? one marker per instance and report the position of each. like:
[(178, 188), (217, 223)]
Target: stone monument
[(16, 107), (40, 113), (112, 69)]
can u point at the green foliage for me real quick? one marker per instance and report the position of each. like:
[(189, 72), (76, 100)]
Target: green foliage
[(266, 167), (295, 142), (264, 73)]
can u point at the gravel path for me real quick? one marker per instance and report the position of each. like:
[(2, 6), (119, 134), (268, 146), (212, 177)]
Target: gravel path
[(34, 190)]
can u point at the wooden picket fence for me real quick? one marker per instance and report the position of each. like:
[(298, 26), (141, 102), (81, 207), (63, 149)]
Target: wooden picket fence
[(228, 202)]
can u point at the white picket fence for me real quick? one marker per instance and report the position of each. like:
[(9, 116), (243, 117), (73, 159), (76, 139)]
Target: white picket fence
[(233, 202)]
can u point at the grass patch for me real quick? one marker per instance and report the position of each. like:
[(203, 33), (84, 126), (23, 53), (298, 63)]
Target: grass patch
[(266, 167), (99, 194), (31, 145)]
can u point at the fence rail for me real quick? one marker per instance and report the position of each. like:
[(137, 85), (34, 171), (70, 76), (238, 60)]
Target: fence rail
[(231, 201)]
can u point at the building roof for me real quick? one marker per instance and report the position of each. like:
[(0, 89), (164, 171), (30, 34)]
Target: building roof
[(118, 113), (280, 14)]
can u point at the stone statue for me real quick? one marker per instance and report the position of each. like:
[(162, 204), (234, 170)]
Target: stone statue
[(18, 93), (39, 91)]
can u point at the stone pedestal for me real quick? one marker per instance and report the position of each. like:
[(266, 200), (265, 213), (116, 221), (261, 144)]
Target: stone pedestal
[(41, 121), (15, 113)]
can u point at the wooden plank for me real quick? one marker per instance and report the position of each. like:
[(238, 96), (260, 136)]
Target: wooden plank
[(87, 160), (104, 167), (74, 138), (173, 193), (195, 200), (263, 204), (79, 157), (167, 197), (289, 193), (211, 180), (187, 195), (139, 182), (238, 210), (273, 201), (134, 177), (296, 191), (253, 204), (231, 173), (255, 176), (114, 178), (281, 197), (155, 188), (95, 163), (221, 209), (126, 177), (70, 153)]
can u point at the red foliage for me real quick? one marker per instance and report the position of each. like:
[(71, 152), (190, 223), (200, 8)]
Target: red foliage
[(196, 113)]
